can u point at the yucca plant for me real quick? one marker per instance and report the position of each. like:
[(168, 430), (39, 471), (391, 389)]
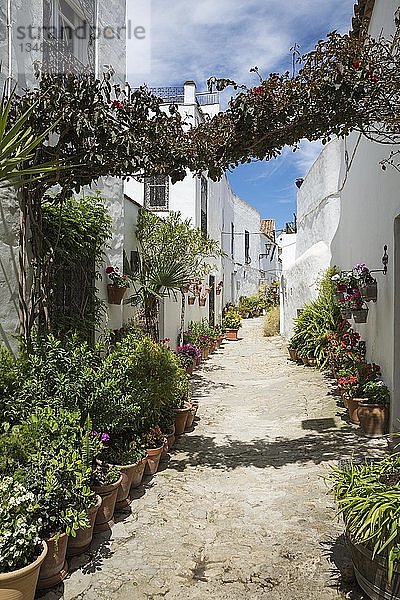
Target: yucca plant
[(368, 497)]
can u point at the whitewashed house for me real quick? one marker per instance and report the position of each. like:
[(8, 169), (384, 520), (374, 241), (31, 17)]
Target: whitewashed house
[(348, 210), (217, 211)]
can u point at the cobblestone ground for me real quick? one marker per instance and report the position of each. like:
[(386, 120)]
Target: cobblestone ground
[(240, 511)]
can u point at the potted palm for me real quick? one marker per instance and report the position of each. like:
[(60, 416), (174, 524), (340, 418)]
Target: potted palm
[(368, 498), (232, 322), (118, 286), (373, 409), (21, 550)]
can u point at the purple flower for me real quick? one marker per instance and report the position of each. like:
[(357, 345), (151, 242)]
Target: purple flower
[(105, 437), (94, 433)]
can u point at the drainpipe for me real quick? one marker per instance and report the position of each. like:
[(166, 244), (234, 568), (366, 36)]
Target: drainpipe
[(9, 49)]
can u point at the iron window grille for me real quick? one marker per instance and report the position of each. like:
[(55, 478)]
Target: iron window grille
[(247, 258), (204, 207), (156, 193)]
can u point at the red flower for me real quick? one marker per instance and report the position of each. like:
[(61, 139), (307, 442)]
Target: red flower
[(357, 64), (117, 104), (110, 270), (258, 90)]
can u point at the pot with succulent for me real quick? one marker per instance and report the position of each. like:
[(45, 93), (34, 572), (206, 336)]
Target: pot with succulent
[(154, 441), (232, 322), (22, 552), (368, 497), (118, 286), (373, 410)]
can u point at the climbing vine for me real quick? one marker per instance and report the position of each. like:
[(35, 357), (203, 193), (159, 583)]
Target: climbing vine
[(75, 235)]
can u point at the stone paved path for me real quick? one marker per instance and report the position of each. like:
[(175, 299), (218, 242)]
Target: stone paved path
[(240, 511)]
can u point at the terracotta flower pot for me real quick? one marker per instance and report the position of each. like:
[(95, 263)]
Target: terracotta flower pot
[(115, 294), (181, 415), (190, 418), (138, 472), (373, 419), (352, 407), (189, 369), (128, 472), (304, 360), (202, 301), (191, 300), (198, 360), (21, 584), (54, 567), (293, 354), (81, 542), (231, 334), (104, 518), (153, 460), (312, 362), (171, 437)]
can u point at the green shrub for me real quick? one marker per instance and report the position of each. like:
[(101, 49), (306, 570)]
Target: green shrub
[(317, 321), (272, 322), (232, 320)]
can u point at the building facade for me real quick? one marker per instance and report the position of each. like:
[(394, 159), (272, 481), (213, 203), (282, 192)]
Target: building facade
[(348, 210)]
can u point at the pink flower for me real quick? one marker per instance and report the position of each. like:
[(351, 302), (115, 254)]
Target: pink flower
[(110, 270), (105, 437)]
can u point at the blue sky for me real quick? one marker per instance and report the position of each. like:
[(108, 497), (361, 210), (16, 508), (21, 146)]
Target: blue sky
[(196, 39)]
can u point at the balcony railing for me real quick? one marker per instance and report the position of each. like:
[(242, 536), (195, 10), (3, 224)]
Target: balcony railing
[(58, 59), (176, 95)]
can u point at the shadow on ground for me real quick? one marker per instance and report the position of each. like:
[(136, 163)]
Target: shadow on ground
[(326, 443)]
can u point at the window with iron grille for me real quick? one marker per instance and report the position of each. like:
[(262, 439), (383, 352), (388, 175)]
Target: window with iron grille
[(232, 239), (156, 193), (247, 258), (204, 207)]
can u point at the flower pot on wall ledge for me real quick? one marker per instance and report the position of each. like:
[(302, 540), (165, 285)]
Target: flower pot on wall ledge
[(191, 300), (202, 301), (360, 315), (115, 294)]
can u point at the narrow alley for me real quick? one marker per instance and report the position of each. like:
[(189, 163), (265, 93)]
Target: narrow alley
[(240, 510)]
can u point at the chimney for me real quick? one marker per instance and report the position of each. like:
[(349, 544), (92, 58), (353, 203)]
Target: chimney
[(189, 92)]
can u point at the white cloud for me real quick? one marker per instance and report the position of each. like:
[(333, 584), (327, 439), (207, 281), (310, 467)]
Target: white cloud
[(195, 39), (305, 156)]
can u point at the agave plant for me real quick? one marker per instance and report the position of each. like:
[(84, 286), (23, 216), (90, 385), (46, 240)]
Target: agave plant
[(18, 146)]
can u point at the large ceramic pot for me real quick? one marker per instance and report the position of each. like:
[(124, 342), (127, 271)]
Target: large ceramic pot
[(153, 460), (181, 415), (128, 472), (54, 567), (81, 542), (189, 369), (231, 334), (115, 294), (352, 408), (21, 584), (373, 419), (104, 518), (371, 574)]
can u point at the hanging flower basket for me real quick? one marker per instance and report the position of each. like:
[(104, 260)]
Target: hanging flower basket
[(345, 313), (202, 301), (191, 300), (360, 315), (115, 294), (369, 291)]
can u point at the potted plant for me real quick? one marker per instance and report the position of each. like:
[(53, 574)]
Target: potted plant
[(153, 440), (232, 322), (181, 415), (129, 455), (118, 286), (368, 497), (367, 284), (188, 354), (373, 409), (106, 480), (219, 287), (21, 550)]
